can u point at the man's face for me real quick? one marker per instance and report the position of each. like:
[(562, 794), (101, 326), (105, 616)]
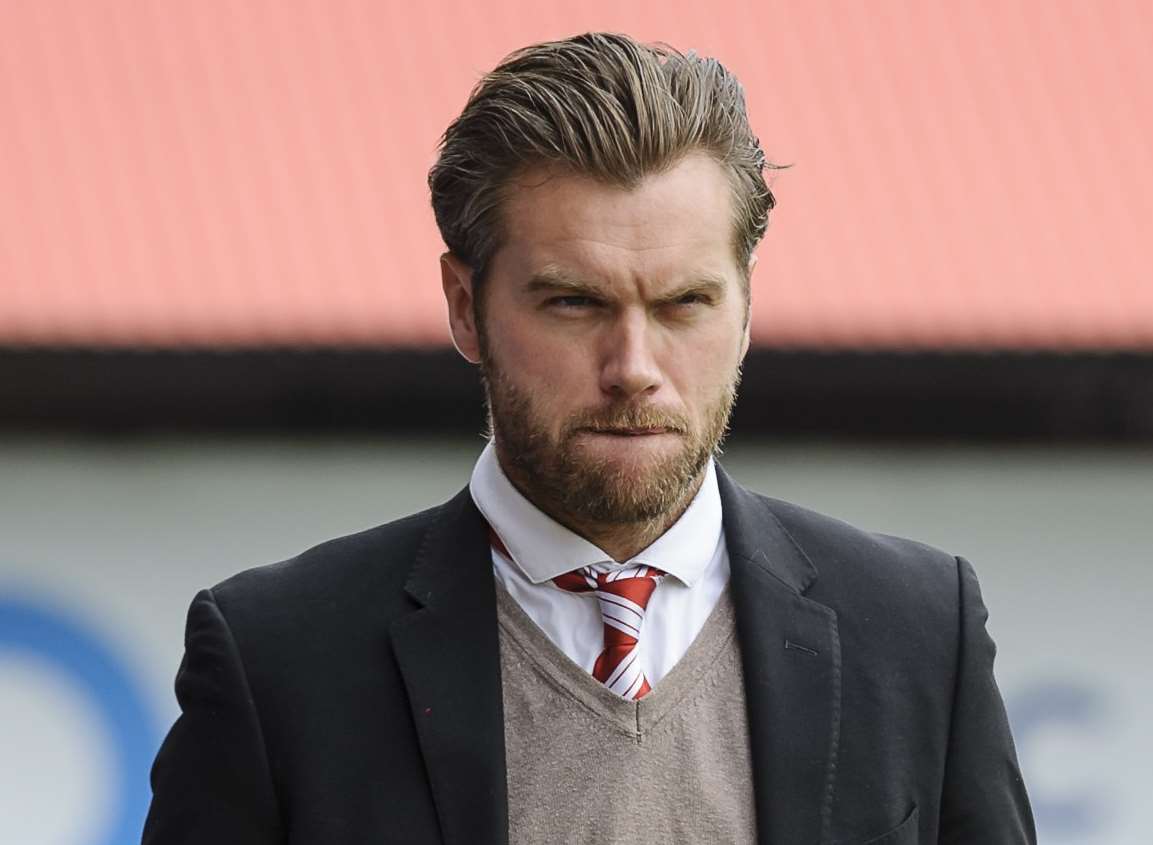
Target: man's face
[(614, 324)]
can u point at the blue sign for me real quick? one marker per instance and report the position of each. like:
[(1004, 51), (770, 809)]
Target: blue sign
[(105, 683)]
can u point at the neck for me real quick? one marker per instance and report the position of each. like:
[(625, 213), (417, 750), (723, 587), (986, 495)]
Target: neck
[(621, 540)]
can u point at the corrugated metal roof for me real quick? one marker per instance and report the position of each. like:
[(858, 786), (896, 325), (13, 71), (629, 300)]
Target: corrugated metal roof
[(252, 172)]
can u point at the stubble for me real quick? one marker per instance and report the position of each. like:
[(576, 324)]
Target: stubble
[(588, 491)]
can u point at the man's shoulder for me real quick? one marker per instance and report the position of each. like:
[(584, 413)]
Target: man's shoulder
[(819, 530), (336, 575), (851, 561), (892, 596)]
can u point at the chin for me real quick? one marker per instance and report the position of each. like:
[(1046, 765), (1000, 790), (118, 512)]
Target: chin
[(638, 448), (640, 482)]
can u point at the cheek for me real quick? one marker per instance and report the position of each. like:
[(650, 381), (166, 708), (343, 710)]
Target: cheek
[(544, 379), (704, 369), (548, 365)]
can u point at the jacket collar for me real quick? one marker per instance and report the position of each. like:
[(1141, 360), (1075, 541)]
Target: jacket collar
[(754, 533)]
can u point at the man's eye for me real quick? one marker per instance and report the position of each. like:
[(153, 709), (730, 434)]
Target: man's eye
[(572, 301)]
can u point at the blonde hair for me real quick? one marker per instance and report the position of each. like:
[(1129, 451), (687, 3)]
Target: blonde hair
[(600, 105)]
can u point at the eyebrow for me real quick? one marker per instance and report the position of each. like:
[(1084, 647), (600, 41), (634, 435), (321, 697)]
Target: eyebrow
[(555, 280), (714, 286), (552, 281)]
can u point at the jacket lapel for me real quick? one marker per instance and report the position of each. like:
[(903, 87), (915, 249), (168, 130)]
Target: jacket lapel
[(792, 663), (448, 653)]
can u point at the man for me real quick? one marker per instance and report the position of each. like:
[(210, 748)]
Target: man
[(603, 638)]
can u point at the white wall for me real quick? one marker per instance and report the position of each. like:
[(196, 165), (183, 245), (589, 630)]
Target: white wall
[(103, 544)]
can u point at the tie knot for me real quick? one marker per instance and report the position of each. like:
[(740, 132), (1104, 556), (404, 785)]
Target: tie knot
[(634, 583)]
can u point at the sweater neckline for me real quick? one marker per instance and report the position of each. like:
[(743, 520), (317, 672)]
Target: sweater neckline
[(693, 675)]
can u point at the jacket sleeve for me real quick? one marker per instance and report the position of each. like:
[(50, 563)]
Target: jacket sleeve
[(984, 797), (211, 780)]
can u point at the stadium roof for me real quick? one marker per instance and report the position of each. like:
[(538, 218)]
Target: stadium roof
[(245, 173)]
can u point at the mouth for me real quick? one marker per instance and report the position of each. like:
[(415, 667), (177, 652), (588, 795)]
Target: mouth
[(633, 432)]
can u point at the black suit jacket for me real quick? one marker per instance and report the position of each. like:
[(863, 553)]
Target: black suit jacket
[(353, 694)]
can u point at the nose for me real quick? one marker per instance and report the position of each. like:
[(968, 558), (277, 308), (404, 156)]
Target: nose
[(629, 367)]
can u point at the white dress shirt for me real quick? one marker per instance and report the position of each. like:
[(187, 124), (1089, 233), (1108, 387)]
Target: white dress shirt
[(692, 552)]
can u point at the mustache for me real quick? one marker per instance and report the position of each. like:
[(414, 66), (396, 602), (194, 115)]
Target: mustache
[(629, 416)]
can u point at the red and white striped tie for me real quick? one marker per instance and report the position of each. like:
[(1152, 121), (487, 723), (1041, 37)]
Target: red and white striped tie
[(623, 595)]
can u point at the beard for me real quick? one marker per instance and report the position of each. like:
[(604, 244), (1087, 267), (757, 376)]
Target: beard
[(564, 479)]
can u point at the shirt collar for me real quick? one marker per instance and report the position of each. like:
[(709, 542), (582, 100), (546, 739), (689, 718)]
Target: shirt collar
[(542, 548)]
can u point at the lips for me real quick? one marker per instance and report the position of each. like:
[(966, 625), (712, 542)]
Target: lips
[(632, 432)]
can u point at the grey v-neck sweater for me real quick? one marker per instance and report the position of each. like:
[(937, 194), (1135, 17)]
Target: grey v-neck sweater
[(585, 765)]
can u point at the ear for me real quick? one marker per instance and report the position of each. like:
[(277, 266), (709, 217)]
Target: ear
[(456, 279), (749, 307)]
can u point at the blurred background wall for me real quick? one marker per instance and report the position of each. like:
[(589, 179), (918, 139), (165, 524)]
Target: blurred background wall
[(221, 339)]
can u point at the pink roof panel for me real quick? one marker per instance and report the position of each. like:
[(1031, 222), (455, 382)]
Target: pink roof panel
[(249, 172)]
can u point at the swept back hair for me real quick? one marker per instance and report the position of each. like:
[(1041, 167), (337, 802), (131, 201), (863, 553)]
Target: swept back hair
[(600, 105)]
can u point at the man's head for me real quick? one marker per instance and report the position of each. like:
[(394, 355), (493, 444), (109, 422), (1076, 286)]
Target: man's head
[(601, 201)]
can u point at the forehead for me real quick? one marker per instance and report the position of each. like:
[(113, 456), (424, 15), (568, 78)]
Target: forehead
[(678, 221)]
